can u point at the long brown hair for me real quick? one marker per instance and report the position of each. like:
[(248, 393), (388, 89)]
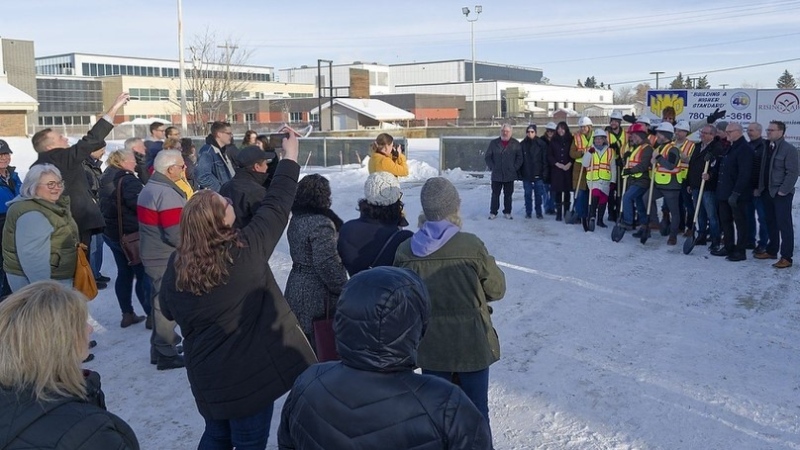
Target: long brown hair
[(381, 141), (204, 252)]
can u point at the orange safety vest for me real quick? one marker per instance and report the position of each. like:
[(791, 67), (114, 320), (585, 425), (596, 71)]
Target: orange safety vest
[(634, 160), (687, 149), (582, 143), (601, 166), (652, 139), (664, 175)]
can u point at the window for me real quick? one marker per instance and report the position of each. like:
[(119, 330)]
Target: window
[(189, 95), (85, 69), (295, 117), (383, 79), (149, 95), (115, 69), (101, 70), (109, 70), (93, 70), (137, 70), (313, 117), (250, 117)]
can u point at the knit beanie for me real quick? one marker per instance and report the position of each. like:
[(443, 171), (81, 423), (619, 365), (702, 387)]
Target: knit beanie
[(382, 189), (439, 199)]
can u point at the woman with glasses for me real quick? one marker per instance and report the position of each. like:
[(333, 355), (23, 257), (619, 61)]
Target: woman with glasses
[(317, 275), (40, 238), (118, 201)]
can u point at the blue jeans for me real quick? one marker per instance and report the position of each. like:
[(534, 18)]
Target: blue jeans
[(474, 384), (634, 195), (708, 215), (757, 207), (536, 188), (96, 254), (123, 285), (246, 433), (549, 201), (582, 204)]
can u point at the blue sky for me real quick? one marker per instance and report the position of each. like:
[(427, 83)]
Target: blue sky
[(567, 39)]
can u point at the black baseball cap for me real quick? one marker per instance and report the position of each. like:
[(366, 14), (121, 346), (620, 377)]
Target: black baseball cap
[(251, 155), (4, 148)]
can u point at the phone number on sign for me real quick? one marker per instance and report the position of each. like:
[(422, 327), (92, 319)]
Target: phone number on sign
[(731, 116)]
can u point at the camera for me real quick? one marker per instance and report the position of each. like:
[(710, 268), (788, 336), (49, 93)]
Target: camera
[(276, 140)]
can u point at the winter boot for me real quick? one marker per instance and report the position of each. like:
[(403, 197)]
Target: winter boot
[(129, 319), (559, 211), (601, 212)]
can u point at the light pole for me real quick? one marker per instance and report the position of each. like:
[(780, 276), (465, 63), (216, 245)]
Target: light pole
[(724, 85), (466, 11), (181, 67), (656, 73)]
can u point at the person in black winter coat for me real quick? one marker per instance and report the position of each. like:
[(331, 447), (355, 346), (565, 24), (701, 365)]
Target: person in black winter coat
[(46, 400), (758, 145), (707, 149), (52, 149), (119, 178), (503, 158), (560, 168), (734, 193), (242, 344), (93, 168), (246, 189), (372, 239), (372, 399), (535, 170)]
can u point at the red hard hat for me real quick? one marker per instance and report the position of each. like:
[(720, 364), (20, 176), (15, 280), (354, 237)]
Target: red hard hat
[(637, 128)]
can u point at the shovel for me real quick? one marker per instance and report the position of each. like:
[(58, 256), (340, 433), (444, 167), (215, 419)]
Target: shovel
[(618, 232), (688, 244), (589, 222), (646, 226), (571, 213)]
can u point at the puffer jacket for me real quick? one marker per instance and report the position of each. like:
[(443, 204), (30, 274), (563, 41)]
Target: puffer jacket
[(372, 399), (64, 423)]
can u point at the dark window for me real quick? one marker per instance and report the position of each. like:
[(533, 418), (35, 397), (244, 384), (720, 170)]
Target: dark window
[(115, 68)]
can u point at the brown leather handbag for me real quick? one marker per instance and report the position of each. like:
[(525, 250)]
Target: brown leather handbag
[(128, 242), (83, 280)]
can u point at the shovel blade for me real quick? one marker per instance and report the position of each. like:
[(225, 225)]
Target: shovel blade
[(592, 224), (568, 216), (617, 233), (688, 244)]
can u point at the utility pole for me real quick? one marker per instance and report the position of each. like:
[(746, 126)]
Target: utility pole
[(182, 69), (228, 50), (656, 73), (724, 85)]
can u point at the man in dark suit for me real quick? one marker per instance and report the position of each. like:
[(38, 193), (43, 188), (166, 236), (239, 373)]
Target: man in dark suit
[(734, 193)]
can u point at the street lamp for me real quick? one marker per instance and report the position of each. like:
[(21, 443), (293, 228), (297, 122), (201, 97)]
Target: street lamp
[(466, 11), (657, 73)]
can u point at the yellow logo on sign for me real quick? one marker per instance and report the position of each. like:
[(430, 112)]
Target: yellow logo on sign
[(660, 101)]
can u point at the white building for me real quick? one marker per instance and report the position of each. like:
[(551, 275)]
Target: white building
[(378, 77)]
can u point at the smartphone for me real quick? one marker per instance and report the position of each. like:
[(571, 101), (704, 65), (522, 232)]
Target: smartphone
[(276, 140), (401, 148)]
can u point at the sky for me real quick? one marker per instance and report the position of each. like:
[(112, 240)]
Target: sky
[(568, 39)]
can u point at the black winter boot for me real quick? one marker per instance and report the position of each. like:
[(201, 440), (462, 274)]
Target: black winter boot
[(601, 212), (558, 212)]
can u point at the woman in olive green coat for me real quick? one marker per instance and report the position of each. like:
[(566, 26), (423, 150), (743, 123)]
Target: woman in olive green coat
[(460, 342)]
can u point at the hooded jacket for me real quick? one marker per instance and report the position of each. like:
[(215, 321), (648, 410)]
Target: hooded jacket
[(9, 188), (372, 398), (215, 166)]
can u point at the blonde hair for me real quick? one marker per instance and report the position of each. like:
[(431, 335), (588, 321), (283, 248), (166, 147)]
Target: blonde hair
[(381, 141), (173, 144), (454, 218), (42, 329), (117, 157)]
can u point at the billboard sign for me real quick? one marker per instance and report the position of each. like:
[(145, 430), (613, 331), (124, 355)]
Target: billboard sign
[(782, 105)]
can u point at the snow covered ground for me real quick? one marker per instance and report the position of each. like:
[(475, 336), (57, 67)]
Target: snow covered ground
[(604, 345)]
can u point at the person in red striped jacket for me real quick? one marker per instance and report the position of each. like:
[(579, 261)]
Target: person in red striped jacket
[(159, 212)]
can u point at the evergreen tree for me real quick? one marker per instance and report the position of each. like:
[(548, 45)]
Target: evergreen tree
[(592, 82), (786, 81), (580, 84), (702, 83), (688, 84), (678, 82)]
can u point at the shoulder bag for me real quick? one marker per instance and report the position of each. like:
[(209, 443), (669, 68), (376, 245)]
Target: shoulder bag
[(128, 242)]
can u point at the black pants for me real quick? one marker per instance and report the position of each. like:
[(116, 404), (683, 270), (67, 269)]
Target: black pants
[(508, 191), (728, 217), (778, 212)]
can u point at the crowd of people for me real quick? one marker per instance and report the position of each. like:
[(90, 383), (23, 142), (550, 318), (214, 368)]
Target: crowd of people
[(191, 236), (740, 184)]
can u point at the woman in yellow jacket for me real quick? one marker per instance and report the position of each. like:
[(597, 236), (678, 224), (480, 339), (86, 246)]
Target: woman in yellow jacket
[(386, 157)]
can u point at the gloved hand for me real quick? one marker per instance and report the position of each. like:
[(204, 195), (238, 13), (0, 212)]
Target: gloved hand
[(716, 115), (733, 199), (620, 163), (591, 150), (627, 154), (614, 146), (630, 118), (626, 172)]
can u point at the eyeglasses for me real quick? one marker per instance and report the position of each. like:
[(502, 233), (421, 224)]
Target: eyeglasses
[(770, 130), (180, 166), (229, 133), (53, 184), (531, 131), (229, 201), (161, 130)]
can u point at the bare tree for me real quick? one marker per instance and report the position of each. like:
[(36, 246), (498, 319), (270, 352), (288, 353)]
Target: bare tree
[(640, 94), (624, 95), (210, 82)]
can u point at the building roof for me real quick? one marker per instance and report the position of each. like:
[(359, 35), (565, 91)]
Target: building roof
[(12, 98), (374, 109)]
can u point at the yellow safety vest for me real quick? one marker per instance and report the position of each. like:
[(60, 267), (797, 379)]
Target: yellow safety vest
[(622, 139), (664, 175), (687, 149), (601, 166), (582, 143), (634, 160)]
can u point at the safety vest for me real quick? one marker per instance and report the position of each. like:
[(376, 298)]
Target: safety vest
[(652, 139), (686, 153), (634, 160), (601, 166), (622, 139), (664, 175), (582, 143)]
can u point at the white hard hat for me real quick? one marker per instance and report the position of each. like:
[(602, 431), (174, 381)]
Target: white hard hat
[(666, 127), (644, 118), (600, 132), (550, 126), (683, 125), (616, 115), (584, 122)]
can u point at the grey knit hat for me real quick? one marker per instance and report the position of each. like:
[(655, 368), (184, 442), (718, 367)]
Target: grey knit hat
[(382, 189), (439, 199)]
